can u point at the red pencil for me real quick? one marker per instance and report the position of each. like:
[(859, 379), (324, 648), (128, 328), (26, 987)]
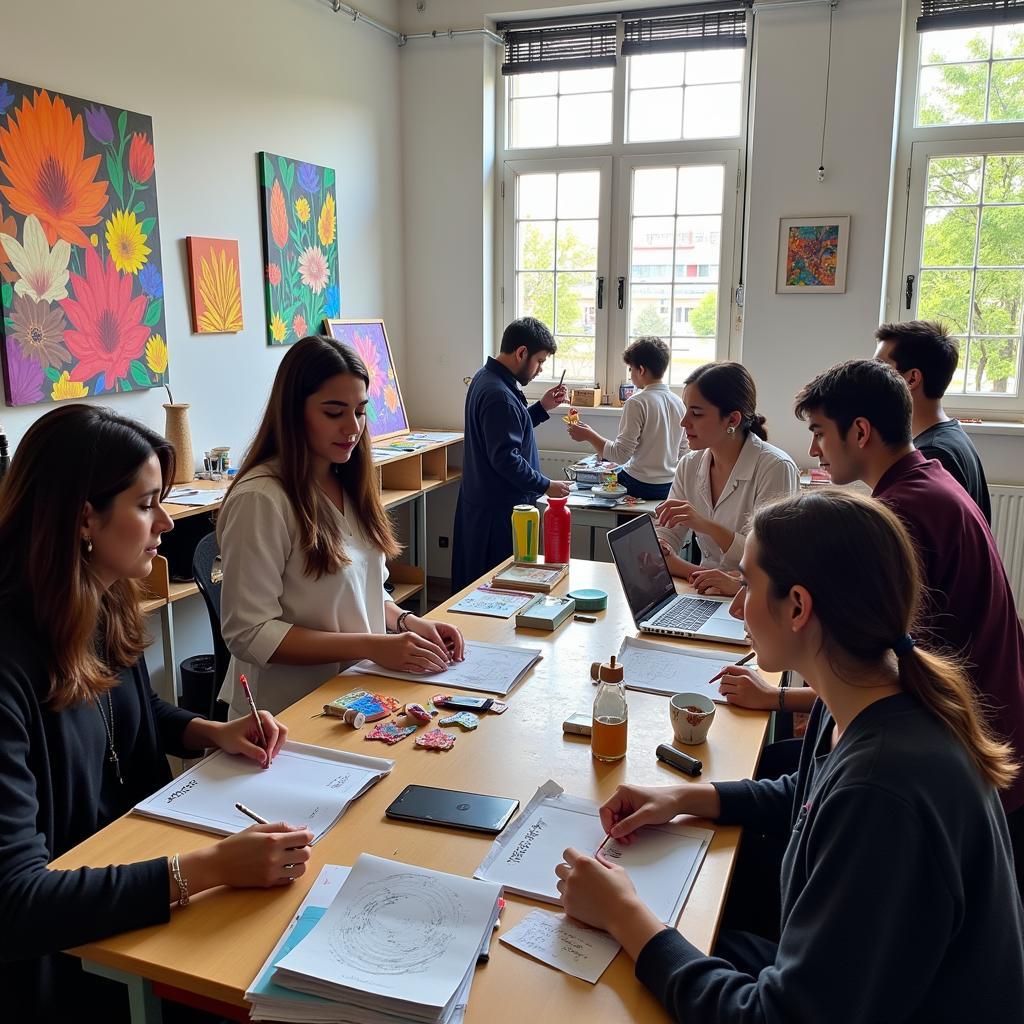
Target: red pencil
[(252, 704)]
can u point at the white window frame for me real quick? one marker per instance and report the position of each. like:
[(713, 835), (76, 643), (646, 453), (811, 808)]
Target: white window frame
[(608, 365), (914, 148)]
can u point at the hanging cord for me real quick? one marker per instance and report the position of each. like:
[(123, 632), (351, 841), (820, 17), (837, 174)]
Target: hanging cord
[(828, 76)]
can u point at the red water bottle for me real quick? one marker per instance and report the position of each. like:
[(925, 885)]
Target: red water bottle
[(557, 530)]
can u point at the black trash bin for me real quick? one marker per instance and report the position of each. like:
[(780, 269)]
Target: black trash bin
[(198, 679)]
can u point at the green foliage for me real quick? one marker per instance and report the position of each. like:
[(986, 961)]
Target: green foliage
[(704, 316), (650, 321), (538, 288)]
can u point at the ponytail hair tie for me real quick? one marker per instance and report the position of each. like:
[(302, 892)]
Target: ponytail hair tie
[(904, 645)]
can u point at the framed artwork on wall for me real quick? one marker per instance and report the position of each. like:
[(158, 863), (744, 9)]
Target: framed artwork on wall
[(81, 288), (215, 285), (385, 414), (300, 246), (812, 254)]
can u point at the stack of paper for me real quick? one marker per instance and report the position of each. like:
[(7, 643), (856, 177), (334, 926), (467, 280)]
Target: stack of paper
[(397, 942), (666, 669), (662, 861), (488, 668), (305, 785)]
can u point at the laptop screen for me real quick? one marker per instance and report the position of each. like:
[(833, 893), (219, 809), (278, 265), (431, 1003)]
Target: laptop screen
[(645, 578)]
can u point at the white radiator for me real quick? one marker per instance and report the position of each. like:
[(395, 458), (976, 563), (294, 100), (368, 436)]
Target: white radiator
[(1008, 528), (553, 463)]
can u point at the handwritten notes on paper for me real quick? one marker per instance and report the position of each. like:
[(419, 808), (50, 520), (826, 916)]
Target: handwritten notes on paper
[(498, 604), (571, 947), (651, 667)]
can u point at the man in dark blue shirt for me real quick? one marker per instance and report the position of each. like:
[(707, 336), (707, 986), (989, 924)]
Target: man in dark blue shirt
[(501, 465), (926, 357)]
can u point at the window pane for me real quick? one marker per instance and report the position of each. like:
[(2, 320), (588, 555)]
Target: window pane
[(577, 245), (949, 237), (697, 244), (945, 295), (585, 120), (711, 111), (700, 315), (700, 189), (955, 44), (1004, 178), (952, 94), (543, 83), (587, 80), (536, 249), (953, 180), (653, 239), (655, 114), (534, 122), (574, 293), (536, 296), (649, 306), (1006, 95), (958, 383), (651, 70), (1002, 236), (579, 194), (1008, 41), (997, 301), (575, 355), (992, 366), (689, 354), (536, 197), (706, 66), (654, 190)]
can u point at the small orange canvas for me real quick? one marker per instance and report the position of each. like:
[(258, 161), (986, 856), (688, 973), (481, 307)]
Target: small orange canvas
[(215, 284)]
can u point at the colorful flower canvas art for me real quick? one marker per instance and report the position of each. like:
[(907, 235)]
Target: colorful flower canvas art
[(81, 289), (812, 254), (385, 413), (300, 246), (216, 285)]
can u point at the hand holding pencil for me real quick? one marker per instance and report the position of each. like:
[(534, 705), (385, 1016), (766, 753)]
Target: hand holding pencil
[(258, 736)]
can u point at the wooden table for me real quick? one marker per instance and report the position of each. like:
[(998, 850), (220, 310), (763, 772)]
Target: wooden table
[(217, 944)]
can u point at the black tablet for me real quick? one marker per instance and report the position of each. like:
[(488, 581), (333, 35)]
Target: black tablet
[(453, 808)]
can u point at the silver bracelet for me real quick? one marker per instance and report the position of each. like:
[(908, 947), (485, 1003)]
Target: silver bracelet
[(400, 623), (179, 881)]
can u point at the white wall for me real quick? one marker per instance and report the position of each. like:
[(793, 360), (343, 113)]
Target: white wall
[(223, 80)]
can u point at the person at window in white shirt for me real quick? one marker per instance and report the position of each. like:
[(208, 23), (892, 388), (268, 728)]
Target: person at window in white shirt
[(728, 473), (304, 538), (649, 442)]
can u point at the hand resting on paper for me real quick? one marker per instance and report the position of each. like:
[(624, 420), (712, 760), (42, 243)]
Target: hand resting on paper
[(240, 736), (632, 807), (444, 634), (745, 688), (408, 652)]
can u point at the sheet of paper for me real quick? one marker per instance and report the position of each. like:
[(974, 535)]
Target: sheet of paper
[(435, 436), (498, 604), (651, 667), (571, 947), (528, 574), (397, 931), (183, 496), (305, 785), (487, 668), (662, 862)]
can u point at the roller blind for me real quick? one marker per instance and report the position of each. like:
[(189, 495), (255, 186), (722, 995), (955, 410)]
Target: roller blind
[(938, 14)]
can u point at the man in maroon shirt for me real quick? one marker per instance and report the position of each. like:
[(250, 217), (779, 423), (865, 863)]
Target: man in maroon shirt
[(859, 415)]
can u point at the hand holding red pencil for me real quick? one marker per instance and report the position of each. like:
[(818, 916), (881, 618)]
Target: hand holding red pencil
[(258, 736)]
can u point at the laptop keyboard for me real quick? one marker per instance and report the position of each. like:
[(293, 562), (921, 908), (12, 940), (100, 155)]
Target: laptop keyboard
[(686, 613)]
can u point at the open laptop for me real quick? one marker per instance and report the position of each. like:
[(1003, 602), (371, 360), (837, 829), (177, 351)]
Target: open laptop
[(651, 591)]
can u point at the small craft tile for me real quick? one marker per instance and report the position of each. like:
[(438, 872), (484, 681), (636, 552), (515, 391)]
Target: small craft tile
[(436, 739), (390, 733), (498, 707), (417, 712), (439, 698), (464, 718)]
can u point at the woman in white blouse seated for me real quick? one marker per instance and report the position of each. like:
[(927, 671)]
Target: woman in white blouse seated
[(729, 471), (304, 538)]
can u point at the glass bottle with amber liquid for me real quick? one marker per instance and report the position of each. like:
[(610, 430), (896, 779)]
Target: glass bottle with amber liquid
[(611, 715)]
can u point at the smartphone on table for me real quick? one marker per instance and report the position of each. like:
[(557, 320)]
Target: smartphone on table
[(453, 808)]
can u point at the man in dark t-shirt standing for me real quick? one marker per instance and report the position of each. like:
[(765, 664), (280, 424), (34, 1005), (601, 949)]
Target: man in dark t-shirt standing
[(926, 357)]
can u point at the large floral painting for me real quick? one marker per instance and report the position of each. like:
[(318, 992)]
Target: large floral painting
[(385, 412), (300, 247), (216, 285), (81, 288)]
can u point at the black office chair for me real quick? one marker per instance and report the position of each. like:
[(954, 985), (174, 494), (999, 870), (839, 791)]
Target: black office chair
[(206, 571)]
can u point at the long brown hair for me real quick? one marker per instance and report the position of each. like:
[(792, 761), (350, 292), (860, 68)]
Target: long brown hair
[(282, 436), (73, 455), (858, 563), (730, 388)]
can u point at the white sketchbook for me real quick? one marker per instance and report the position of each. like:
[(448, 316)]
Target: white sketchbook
[(497, 603), (488, 668), (651, 667), (559, 941), (305, 785), (663, 861), (397, 939)]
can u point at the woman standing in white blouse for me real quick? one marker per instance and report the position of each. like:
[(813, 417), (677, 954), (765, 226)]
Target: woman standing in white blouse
[(729, 471), (304, 538)]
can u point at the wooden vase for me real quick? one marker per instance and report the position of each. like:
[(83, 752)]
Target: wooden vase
[(178, 433)]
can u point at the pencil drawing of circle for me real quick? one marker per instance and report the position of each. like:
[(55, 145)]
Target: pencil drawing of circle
[(399, 924)]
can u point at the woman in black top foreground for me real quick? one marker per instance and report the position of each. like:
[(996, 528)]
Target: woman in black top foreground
[(898, 895), (82, 736)]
